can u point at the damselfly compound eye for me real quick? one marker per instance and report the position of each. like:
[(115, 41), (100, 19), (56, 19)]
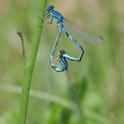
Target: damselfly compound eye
[(50, 8)]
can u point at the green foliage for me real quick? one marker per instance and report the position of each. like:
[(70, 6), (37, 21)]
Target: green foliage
[(98, 79)]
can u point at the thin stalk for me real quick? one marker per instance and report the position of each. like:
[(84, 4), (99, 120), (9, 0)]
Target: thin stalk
[(30, 66), (57, 100), (19, 33)]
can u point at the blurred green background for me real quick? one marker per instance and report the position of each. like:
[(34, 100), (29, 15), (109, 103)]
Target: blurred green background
[(98, 78)]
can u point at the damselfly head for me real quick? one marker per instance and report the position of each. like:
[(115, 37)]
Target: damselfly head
[(62, 52), (50, 8)]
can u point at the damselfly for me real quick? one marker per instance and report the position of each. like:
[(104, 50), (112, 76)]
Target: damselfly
[(59, 62)]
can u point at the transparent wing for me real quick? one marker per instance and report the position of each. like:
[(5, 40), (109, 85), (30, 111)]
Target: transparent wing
[(85, 36)]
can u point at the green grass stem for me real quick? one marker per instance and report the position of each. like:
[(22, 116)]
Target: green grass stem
[(30, 66)]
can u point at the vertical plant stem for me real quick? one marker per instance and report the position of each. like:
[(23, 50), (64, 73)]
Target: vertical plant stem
[(30, 66)]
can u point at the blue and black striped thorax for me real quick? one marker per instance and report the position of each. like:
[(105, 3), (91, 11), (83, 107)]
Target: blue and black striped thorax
[(63, 60)]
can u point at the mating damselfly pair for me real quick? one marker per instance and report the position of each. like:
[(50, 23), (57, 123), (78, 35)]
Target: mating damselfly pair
[(59, 61)]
